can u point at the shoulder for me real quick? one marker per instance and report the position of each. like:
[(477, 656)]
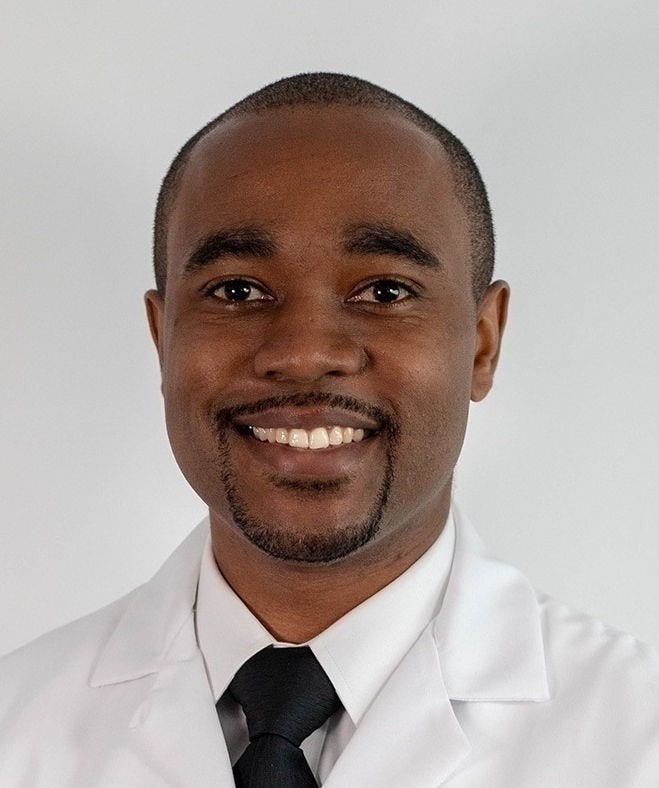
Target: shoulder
[(59, 661), (576, 639), (152, 608), (603, 681)]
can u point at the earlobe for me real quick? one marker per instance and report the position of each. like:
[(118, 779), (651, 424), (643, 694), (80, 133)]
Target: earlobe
[(155, 313), (492, 316)]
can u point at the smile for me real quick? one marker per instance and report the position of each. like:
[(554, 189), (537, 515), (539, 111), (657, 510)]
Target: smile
[(309, 443), (314, 438)]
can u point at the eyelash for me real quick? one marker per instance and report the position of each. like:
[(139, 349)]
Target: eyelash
[(213, 289), (389, 283), (408, 291)]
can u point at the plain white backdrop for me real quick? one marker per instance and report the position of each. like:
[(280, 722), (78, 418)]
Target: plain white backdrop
[(556, 99)]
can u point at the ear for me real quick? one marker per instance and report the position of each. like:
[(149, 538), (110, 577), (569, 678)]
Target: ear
[(155, 313), (492, 316)]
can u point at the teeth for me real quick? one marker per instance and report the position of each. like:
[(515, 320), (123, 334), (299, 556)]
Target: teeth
[(298, 438), (317, 438)]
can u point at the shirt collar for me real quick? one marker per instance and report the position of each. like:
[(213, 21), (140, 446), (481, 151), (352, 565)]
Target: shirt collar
[(358, 652), (228, 632), (362, 649)]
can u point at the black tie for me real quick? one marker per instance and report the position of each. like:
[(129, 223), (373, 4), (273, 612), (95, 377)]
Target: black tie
[(285, 695)]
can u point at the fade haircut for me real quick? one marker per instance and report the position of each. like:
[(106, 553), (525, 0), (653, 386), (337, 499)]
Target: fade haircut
[(328, 89)]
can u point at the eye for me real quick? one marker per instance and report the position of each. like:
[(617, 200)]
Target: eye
[(239, 290), (384, 291)]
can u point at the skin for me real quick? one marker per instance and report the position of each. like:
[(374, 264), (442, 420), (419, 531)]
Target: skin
[(314, 327)]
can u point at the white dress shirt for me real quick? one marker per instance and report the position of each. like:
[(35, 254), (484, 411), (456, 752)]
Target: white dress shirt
[(356, 663)]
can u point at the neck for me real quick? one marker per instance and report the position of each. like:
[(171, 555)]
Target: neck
[(297, 601)]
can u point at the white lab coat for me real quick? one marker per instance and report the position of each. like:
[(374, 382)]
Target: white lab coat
[(506, 688)]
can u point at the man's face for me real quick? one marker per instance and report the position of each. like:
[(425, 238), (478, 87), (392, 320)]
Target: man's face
[(319, 286)]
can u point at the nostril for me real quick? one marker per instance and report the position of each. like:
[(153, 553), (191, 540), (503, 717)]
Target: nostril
[(308, 359)]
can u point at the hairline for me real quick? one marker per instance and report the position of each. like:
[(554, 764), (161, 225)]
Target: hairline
[(451, 145)]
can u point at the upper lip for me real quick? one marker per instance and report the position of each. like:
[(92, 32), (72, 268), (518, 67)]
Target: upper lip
[(306, 418)]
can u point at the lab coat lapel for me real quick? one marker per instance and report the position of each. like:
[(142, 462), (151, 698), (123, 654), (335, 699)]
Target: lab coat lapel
[(484, 645), (409, 735), (178, 729), (174, 726), (488, 631)]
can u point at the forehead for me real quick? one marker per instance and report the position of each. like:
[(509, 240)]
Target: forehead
[(315, 170)]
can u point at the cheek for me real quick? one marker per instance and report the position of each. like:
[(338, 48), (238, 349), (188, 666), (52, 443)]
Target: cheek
[(192, 385), (197, 361), (194, 376), (434, 381)]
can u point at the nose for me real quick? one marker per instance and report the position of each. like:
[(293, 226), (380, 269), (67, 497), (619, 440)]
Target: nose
[(305, 344)]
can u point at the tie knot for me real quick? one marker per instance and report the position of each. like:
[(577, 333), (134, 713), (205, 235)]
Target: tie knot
[(284, 691)]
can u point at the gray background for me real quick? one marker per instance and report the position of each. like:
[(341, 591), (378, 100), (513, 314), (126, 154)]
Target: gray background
[(558, 103)]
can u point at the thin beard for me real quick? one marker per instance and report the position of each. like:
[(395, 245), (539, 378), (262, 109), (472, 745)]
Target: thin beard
[(309, 548)]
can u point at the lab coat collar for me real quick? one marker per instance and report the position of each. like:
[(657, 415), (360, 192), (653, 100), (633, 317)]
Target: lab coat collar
[(154, 646), (410, 734), (151, 632), (488, 631), (485, 645)]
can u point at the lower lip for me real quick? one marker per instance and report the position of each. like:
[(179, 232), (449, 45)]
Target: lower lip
[(329, 463)]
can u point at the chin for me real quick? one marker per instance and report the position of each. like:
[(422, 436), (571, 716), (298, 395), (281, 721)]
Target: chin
[(317, 531)]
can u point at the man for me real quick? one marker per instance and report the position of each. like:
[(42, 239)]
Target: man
[(324, 314)]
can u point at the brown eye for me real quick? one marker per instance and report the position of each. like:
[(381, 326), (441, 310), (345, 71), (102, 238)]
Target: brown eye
[(384, 291), (237, 290)]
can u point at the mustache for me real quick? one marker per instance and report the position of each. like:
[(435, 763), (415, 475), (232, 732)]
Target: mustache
[(385, 420)]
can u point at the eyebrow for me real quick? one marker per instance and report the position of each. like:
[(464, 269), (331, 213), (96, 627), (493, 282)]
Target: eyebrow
[(364, 238), (230, 242), (390, 240)]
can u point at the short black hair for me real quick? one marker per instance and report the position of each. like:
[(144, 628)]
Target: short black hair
[(328, 89)]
